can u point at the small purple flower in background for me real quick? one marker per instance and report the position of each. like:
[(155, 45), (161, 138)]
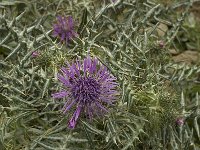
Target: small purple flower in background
[(35, 54), (64, 29), (88, 86), (161, 44), (180, 121)]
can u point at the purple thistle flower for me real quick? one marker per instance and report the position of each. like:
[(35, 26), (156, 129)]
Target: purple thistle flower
[(161, 44), (35, 54), (64, 29), (180, 121), (88, 87)]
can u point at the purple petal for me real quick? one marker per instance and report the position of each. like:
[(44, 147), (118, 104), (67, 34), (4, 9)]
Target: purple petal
[(72, 123), (63, 80), (110, 79), (55, 34), (93, 65), (60, 94), (74, 34), (59, 18), (101, 71), (64, 22), (68, 35), (74, 118), (85, 66), (88, 61), (66, 72), (35, 54), (78, 64), (77, 112), (104, 77), (70, 22), (76, 70), (63, 36), (72, 71), (69, 106), (104, 71)]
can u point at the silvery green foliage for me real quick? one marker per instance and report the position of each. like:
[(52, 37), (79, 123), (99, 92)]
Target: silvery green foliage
[(122, 35)]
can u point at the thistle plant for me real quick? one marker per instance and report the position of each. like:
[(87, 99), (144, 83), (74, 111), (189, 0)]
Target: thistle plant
[(88, 86), (113, 81)]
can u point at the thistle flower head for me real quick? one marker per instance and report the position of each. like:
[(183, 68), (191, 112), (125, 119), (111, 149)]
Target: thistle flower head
[(161, 44), (64, 29), (180, 121), (88, 87), (35, 54)]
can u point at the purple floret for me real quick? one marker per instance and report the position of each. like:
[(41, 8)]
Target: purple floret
[(89, 87), (35, 54), (64, 29), (180, 121)]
